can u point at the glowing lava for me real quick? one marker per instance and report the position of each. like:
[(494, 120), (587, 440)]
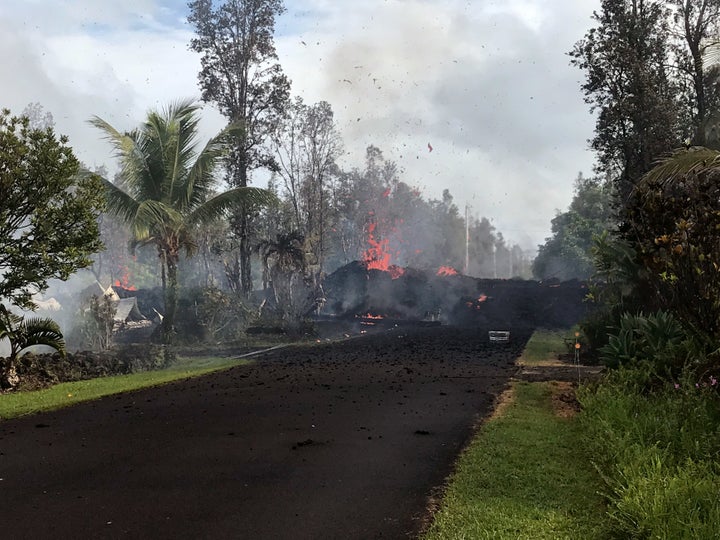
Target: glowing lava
[(377, 256), (124, 281), (476, 303), (447, 271)]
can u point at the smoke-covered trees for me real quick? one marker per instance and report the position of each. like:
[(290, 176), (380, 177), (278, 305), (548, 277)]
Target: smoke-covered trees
[(168, 185), (48, 212), (373, 210), (306, 145), (241, 75), (566, 254)]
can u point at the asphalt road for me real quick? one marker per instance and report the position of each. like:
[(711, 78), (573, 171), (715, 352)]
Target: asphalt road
[(344, 440)]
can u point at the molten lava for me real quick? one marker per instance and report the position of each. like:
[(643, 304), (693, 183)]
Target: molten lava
[(377, 256), (476, 304), (447, 271), (124, 281)]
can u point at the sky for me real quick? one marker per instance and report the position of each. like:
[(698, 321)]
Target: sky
[(486, 83)]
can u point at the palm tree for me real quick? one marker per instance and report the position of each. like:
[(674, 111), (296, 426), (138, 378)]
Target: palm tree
[(22, 334), (283, 259), (169, 185)]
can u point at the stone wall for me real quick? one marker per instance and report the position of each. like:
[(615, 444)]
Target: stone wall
[(42, 370)]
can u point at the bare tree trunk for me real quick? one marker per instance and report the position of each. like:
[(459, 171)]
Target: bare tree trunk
[(232, 274), (245, 252)]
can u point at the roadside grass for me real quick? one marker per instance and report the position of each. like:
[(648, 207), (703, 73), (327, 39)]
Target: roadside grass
[(657, 449), (544, 346), (62, 395), (524, 476)]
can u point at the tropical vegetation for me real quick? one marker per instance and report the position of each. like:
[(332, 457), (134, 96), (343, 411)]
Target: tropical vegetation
[(48, 212), (651, 422), (23, 333), (167, 188)]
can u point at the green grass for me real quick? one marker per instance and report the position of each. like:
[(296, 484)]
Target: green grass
[(658, 452), (523, 477), (544, 345), (65, 394)]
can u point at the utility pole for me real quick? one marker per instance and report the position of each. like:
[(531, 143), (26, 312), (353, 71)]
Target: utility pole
[(467, 241), (494, 252)]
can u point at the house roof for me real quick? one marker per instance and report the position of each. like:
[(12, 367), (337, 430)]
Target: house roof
[(95, 289), (126, 309)]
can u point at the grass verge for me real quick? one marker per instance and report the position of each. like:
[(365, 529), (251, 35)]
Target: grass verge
[(657, 449), (65, 394), (544, 347), (523, 477)]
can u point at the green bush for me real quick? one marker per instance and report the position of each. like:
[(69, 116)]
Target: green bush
[(210, 314), (658, 337), (596, 328), (658, 452)]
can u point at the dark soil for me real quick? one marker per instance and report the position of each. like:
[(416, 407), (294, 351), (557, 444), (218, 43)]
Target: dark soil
[(343, 440)]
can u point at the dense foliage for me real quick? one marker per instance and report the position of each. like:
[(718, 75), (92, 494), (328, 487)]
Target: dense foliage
[(657, 452), (675, 219), (652, 421), (48, 211), (567, 253)]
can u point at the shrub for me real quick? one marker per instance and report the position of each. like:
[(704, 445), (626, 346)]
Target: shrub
[(658, 338), (211, 314), (673, 218)]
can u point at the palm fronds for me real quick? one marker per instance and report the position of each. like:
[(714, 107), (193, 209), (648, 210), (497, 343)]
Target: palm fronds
[(217, 206), (681, 163)]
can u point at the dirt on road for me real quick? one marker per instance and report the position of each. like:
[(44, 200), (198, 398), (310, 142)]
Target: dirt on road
[(344, 440)]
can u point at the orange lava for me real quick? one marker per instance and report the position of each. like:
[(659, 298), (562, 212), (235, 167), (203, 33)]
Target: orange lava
[(447, 271), (377, 256), (124, 281)]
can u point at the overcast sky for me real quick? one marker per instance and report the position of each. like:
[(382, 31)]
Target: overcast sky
[(485, 82)]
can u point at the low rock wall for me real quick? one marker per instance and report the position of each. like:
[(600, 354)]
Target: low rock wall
[(42, 370)]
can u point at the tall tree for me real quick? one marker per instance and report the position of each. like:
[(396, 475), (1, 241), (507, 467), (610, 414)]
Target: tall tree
[(696, 23), (168, 188), (625, 59), (48, 212), (307, 144), (241, 75)]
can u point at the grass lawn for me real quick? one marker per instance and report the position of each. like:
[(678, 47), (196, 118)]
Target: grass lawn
[(544, 346), (66, 394), (523, 477)]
